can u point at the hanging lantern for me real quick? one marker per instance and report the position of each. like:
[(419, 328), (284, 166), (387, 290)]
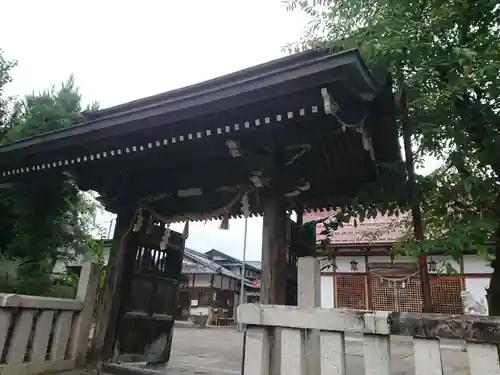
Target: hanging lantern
[(432, 265), (354, 265)]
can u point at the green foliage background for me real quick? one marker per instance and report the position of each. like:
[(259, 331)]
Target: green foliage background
[(48, 221), (444, 57)]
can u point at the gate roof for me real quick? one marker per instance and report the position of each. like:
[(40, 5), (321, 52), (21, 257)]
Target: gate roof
[(197, 149)]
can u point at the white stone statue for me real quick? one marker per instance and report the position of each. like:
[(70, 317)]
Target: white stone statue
[(473, 307)]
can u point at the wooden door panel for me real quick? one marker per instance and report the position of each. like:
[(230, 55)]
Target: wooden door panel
[(150, 296)]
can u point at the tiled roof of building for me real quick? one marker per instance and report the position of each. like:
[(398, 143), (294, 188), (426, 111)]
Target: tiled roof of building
[(204, 265), (379, 230), (229, 260), (196, 268), (254, 263)]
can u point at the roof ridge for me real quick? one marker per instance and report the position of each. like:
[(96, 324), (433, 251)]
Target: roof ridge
[(207, 262)]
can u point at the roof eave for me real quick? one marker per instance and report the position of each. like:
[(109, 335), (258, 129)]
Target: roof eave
[(181, 108)]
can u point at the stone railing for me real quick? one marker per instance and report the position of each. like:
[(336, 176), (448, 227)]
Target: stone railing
[(307, 340), (40, 334), (285, 340)]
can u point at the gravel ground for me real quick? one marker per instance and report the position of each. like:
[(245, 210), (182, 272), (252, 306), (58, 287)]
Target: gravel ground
[(217, 351)]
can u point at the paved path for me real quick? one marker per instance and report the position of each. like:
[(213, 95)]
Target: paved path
[(217, 351)]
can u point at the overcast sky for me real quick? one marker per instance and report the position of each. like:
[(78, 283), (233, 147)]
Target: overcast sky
[(124, 50)]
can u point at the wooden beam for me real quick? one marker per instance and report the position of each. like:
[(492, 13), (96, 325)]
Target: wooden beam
[(106, 328)]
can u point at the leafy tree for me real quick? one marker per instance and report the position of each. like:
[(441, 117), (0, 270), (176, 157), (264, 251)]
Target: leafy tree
[(10, 108), (47, 221), (445, 57)]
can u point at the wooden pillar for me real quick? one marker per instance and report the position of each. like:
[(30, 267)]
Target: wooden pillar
[(274, 252), (107, 323), (273, 283)]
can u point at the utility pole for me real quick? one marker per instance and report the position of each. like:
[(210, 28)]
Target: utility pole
[(242, 286)]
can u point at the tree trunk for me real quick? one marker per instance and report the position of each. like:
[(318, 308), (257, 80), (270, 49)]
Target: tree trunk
[(493, 291), (415, 198)]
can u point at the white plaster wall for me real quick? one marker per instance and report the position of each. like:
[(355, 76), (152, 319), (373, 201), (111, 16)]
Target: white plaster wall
[(477, 287), (387, 259), (379, 259), (236, 303), (327, 300), (327, 265), (343, 264), (403, 259), (200, 310), (234, 285), (189, 280), (236, 270), (472, 263), (202, 280), (476, 264), (441, 263), (225, 283), (217, 281)]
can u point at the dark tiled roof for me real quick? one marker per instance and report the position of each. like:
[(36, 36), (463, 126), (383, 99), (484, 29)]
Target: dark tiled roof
[(196, 268), (381, 229), (254, 263), (204, 265), (229, 260)]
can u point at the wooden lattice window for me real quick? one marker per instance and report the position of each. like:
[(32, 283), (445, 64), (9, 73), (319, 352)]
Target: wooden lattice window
[(351, 291), (409, 295), (396, 294), (445, 294), (383, 297)]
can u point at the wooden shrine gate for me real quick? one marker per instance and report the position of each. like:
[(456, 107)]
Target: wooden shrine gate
[(150, 295), (258, 132)]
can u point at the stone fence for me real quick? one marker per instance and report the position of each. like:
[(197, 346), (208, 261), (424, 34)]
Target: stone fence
[(40, 334), (306, 340)]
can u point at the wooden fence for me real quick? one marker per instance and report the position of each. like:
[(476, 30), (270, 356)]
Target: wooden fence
[(308, 340), (41, 334)]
